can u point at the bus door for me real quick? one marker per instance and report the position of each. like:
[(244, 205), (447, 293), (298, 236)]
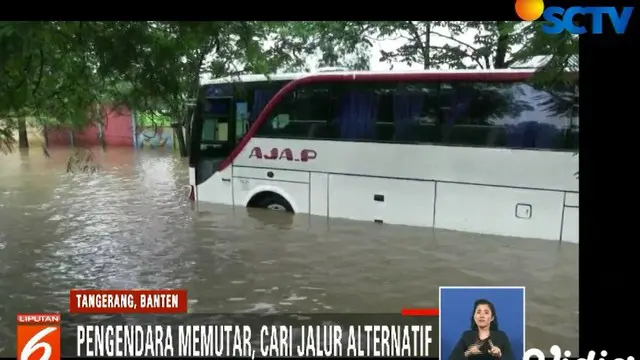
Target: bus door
[(213, 136)]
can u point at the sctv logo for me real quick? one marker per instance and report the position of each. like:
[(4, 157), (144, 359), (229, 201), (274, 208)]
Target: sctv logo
[(560, 19)]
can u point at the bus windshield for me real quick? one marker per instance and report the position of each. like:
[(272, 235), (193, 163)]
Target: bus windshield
[(224, 113)]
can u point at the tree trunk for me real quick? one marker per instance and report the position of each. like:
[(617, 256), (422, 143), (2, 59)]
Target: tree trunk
[(190, 113), (45, 134), (178, 129), (101, 119), (427, 47), (502, 47), (23, 140), (187, 136)]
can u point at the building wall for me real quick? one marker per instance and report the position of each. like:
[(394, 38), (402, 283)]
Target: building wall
[(118, 131), (151, 132), (58, 137)]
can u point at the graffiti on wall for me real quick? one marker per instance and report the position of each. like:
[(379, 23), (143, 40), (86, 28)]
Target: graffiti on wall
[(154, 131)]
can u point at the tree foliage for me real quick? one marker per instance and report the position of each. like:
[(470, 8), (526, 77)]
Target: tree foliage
[(65, 72)]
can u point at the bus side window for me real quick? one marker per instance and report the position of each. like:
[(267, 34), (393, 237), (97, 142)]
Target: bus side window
[(539, 116), (472, 112), (504, 114), (313, 111), (278, 119), (304, 113), (389, 112), (415, 112)]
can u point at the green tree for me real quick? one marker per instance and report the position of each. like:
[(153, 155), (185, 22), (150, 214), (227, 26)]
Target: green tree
[(60, 70), (63, 73), (472, 44), (333, 43), (559, 53)]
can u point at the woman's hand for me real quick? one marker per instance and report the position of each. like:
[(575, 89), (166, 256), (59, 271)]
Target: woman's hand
[(494, 350), (472, 350)]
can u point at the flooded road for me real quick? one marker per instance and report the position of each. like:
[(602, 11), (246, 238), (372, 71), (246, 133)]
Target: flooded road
[(131, 226)]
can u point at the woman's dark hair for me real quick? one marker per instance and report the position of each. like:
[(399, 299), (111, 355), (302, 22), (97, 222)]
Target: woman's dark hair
[(494, 323)]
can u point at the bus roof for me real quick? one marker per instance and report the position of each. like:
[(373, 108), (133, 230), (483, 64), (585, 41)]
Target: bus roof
[(293, 76)]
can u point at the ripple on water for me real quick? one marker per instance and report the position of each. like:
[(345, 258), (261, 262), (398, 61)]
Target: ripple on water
[(311, 288), (265, 308)]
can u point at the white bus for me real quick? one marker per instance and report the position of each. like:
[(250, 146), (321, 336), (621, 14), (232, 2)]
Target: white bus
[(475, 151)]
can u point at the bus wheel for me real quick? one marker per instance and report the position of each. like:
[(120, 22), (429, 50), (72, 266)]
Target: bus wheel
[(270, 201)]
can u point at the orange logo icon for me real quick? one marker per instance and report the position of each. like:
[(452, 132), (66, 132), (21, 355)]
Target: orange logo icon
[(38, 336), (529, 10)]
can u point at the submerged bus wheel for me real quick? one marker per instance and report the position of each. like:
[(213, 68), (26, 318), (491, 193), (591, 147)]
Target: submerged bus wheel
[(270, 200)]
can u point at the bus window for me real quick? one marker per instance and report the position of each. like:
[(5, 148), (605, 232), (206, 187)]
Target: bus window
[(280, 121), (411, 111), (307, 112), (251, 99), (507, 114), (457, 113), (280, 118), (208, 130), (216, 123), (214, 130), (242, 119), (243, 100)]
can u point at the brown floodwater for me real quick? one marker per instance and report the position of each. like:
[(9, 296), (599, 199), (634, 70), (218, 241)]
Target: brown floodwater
[(130, 225)]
